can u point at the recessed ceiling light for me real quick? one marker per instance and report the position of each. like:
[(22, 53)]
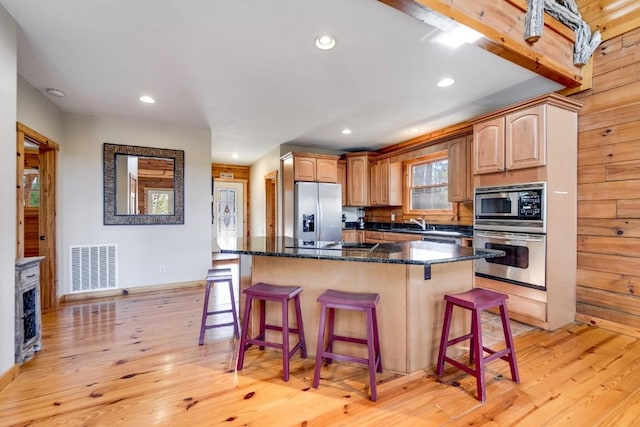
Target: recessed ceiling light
[(457, 36), (446, 82), (234, 156), (55, 92), (147, 99), (325, 42), (414, 130), (346, 131)]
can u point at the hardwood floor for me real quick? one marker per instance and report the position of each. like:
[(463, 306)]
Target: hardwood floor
[(135, 361)]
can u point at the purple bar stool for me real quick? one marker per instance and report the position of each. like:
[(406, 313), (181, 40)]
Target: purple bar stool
[(283, 294), (330, 300), (476, 300), (218, 275)]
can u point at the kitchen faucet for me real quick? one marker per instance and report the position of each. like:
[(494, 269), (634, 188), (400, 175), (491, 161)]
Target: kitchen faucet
[(422, 223)]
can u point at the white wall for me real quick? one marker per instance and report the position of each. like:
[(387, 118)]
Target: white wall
[(8, 73), (266, 164), (184, 249), (37, 112)]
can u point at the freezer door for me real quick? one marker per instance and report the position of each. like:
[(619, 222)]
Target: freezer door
[(330, 212), (306, 211)]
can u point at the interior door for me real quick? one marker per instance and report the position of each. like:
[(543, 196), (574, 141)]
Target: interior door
[(228, 219)]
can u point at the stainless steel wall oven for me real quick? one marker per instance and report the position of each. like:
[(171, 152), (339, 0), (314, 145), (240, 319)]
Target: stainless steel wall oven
[(512, 219)]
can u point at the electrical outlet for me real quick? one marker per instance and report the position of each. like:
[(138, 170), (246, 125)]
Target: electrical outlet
[(163, 268)]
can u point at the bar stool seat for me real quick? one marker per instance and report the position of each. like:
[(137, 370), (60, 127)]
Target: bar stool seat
[(283, 294), (218, 275), (477, 300), (366, 302)]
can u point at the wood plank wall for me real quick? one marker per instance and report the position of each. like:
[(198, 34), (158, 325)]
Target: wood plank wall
[(608, 276)]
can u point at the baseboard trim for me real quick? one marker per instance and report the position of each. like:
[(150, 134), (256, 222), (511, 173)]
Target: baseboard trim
[(111, 293), (9, 376), (609, 325)]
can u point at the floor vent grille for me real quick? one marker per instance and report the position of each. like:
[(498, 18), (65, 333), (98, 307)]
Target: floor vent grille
[(94, 267)]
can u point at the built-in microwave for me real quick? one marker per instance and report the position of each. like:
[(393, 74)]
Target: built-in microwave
[(518, 207)]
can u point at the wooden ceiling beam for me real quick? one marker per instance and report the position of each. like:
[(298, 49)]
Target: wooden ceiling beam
[(502, 24)]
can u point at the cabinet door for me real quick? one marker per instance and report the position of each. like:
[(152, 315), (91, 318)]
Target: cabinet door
[(342, 179), (375, 184), (458, 170), (488, 148), (358, 180), (349, 236), (304, 168), (525, 138), (326, 170)]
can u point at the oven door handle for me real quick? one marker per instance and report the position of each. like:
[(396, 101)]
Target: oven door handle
[(518, 238)]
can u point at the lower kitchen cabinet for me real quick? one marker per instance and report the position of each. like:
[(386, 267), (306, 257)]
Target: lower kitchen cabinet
[(353, 236)]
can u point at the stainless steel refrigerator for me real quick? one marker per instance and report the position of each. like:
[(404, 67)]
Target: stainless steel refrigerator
[(318, 211)]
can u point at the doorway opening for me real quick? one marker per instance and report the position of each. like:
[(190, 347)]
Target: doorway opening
[(36, 207)]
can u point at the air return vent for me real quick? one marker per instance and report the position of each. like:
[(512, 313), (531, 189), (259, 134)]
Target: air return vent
[(94, 267)]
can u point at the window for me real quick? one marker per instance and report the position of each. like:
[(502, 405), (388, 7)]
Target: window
[(428, 183)]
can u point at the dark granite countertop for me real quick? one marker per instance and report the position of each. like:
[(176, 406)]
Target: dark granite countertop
[(458, 230), (416, 252)]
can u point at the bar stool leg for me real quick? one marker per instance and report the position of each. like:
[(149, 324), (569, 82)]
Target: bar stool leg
[(479, 355), (376, 339), (303, 345), (285, 341), (511, 357), (444, 338), (236, 330), (371, 354), (320, 346), (262, 335), (245, 332), (205, 310), (332, 314)]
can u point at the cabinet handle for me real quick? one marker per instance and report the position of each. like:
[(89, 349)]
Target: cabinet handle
[(31, 275)]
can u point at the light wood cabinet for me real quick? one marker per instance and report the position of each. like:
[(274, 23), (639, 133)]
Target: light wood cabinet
[(353, 236), (315, 167), (514, 141), (358, 171), (385, 186), (460, 169), (342, 179), (373, 236)]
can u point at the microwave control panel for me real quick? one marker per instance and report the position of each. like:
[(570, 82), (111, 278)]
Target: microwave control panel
[(530, 204)]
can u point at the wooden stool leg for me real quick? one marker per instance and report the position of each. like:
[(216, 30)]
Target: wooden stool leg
[(262, 335), (511, 357), (479, 355), (444, 339), (236, 331), (472, 343), (245, 331), (332, 314), (285, 340), (376, 339), (320, 346), (371, 355), (303, 345), (205, 310)]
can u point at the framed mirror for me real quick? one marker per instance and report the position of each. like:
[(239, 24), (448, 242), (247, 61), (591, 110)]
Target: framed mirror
[(143, 185)]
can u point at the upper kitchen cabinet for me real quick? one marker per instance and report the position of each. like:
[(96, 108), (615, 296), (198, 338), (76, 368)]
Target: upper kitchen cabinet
[(314, 167), (358, 170), (385, 187), (460, 169), (514, 141), (342, 179)]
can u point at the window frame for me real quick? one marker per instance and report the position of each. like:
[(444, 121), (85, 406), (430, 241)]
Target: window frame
[(408, 165)]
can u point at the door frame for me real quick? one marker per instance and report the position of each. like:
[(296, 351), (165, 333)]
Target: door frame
[(271, 203), (47, 214)]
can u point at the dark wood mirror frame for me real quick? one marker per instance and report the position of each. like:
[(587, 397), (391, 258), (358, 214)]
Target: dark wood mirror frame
[(109, 173)]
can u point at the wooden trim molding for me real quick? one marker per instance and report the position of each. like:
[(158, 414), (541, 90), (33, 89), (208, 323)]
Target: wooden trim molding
[(112, 293), (9, 376)]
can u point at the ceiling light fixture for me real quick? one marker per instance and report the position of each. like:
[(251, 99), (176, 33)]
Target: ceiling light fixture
[(55, 92), (457, 37), (414, 130), (325, 42), (147, 99), (234, 155), (446, 82), (346, 131)]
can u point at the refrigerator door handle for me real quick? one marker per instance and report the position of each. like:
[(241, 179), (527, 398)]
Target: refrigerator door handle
[(319, 211)]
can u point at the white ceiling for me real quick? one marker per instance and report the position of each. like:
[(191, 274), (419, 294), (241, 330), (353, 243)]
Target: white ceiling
[(249, 70)]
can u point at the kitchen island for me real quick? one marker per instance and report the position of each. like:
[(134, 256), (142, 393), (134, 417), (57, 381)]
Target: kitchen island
[(411, 278)]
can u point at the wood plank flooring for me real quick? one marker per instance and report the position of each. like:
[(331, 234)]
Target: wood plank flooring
[(135, 361)]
